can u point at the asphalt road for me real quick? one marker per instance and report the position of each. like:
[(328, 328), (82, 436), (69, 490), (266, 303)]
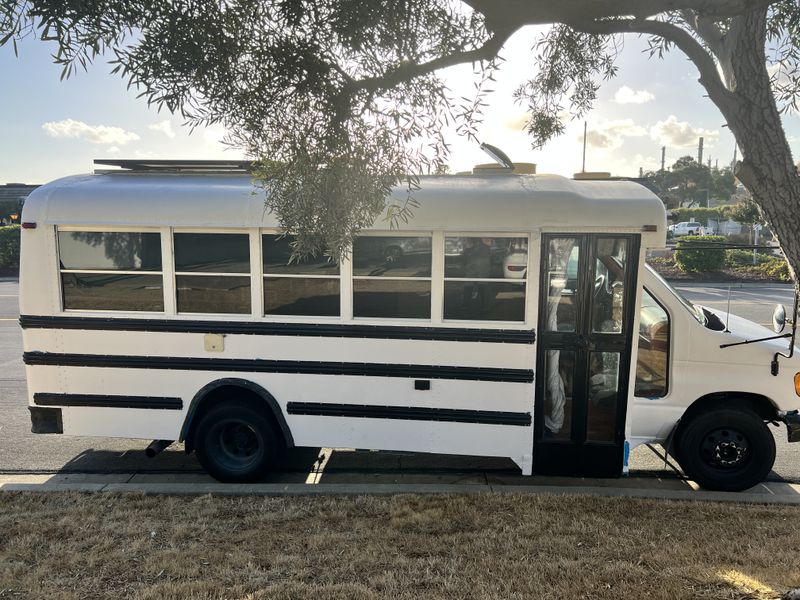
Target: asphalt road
[(23, 452)]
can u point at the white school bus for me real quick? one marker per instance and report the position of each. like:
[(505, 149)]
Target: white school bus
[(513, 316)]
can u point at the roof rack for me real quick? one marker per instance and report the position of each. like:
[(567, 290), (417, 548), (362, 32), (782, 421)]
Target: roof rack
[(141, 165)]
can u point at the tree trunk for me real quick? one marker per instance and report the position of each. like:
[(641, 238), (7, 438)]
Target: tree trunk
[(767, 168)]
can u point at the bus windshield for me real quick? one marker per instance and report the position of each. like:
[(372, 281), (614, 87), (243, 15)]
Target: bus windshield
[(696, 312)]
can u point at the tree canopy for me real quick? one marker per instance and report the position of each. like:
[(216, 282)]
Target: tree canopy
[(689, 181), (340, 99)]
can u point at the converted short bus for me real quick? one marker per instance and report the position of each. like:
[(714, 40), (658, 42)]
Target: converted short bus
[(513, 316)]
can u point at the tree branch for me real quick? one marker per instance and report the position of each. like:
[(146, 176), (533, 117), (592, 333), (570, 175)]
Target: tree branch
[(709, 75), (408, 71), (718, 42), (504, 13)]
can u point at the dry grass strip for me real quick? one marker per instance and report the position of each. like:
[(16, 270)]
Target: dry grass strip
[(69, 546)]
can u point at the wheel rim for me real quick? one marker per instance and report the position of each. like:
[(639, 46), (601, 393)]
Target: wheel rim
[(725, 449), (236, 445)]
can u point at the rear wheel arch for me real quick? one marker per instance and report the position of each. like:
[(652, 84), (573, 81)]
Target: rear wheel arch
[(218, 391)]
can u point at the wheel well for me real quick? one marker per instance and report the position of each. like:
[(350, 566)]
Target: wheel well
[(221, 390), (761, 405)]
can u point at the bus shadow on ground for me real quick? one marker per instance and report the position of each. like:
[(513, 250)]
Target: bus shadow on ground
[(301, 465)]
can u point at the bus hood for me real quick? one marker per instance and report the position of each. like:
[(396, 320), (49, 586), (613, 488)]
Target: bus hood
[(741, 330)]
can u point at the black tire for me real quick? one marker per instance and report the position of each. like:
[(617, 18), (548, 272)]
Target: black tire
[(236, 442), (726, 449)]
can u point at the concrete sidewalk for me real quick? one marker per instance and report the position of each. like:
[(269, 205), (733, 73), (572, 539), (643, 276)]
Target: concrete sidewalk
[(193, 484)]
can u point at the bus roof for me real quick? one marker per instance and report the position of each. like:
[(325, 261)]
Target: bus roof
[(491, 203)]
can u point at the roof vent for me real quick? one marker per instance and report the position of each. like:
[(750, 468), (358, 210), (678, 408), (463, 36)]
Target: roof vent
[(500, 157)]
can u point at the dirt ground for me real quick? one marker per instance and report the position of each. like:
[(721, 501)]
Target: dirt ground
[(73, 546)]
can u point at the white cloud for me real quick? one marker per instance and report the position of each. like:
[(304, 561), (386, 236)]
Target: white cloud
[(96, 134), (214, 135), (679, 134), (113, 150), (612, 134), (626, 95), (164, 127)]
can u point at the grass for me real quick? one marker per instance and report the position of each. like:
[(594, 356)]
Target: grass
[(65, 546)]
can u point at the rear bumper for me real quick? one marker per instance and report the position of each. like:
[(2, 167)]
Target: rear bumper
[(46, 420), (792, 420)]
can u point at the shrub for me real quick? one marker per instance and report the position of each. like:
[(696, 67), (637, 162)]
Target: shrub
[(744, 258), (776, 268), (9, 246), (701, 260)]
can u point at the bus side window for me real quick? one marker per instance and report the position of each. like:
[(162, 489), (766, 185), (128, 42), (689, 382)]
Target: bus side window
[(485, 278), (303, 286), (111, 270), (652, 364), (212, 272)]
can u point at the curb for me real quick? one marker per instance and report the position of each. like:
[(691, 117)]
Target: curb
[(765, 493)]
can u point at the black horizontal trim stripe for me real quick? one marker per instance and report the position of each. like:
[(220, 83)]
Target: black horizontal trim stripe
[(95, 400), (281, 366), (391, 332), (409, 413)]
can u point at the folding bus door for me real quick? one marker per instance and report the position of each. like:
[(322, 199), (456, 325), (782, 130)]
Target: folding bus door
[(587, 296)]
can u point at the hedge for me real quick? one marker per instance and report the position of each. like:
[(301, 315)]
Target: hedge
[(702, 260), (9, 247)]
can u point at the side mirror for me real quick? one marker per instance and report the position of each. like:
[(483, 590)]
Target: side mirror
[(779, 318)]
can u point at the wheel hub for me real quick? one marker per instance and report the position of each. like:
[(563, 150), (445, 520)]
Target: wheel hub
[(725, 448)]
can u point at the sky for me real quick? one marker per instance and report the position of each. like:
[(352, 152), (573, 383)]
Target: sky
[(53, 128)]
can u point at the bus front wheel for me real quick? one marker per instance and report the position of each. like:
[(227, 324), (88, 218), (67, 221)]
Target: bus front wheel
[(727, 449), (236, 443)]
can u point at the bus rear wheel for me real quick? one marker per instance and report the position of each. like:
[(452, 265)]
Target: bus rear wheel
[(727, 449), (236, 443)]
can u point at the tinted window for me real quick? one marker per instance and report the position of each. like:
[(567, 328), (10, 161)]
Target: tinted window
[(392, 256), (94, 291), (277, 252), (210, 294), (485, 257), (484, 301), (392, 299), (301, 296), (93, 251), (212, 252)]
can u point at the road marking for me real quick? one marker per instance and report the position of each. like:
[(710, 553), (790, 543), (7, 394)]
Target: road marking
[(319, 466)]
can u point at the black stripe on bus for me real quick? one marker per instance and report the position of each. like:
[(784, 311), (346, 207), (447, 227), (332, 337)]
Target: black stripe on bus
[(391, 332), (281, 366), (409, 413), (105, 401)]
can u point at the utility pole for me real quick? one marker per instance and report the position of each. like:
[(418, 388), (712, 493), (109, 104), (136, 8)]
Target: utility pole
[(585, 125), (733, 164), (700, 152), (663, 156)]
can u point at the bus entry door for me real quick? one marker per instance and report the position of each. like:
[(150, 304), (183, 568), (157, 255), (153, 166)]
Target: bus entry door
[(587, 295)]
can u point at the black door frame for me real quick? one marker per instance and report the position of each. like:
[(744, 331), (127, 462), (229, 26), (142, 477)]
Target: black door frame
[(576, 456)]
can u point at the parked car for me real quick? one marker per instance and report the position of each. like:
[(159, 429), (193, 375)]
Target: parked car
[(686, 228)]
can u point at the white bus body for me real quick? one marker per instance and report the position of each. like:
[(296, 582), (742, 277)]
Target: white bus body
[(159, 305)]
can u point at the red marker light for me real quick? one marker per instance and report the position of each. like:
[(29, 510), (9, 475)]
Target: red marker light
[(29, 225)]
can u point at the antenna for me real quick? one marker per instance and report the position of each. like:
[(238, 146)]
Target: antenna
[(498, 156), (728, 313)]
